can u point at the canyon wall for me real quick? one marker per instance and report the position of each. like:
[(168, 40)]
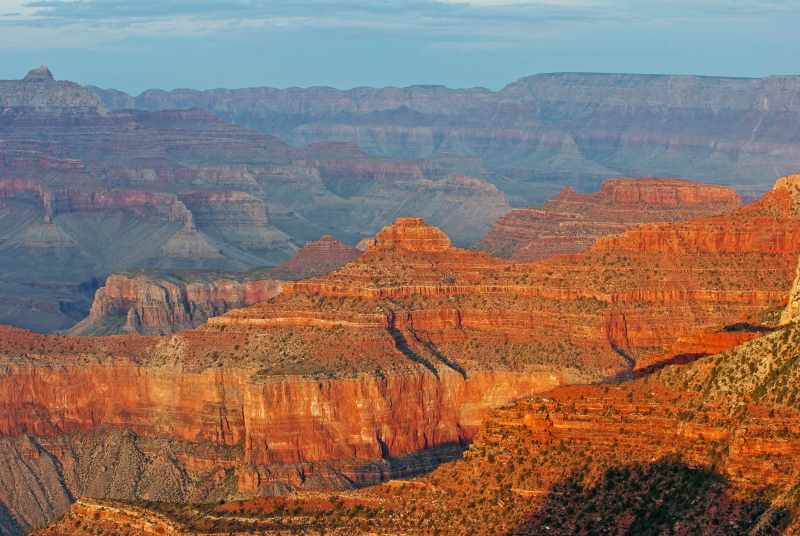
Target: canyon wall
[(571, 222), (708, 447), (403, 349), (94, 192), (542, 132), (159, 302)]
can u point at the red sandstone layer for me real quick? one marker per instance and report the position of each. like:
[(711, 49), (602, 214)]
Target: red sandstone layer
[(572, 222), (154, 302), (408, 346), (712, 447)]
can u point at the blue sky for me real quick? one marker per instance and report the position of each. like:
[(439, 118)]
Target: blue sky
[(135, 45)]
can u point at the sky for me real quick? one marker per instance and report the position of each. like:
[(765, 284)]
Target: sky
[(134, 45)]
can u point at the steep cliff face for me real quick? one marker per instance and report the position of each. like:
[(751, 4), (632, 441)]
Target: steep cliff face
[(402, 350), (707, 448), (571, 222), (155, 303), (160, 302)]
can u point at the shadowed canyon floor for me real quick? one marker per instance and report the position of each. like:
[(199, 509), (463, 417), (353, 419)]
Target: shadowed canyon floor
[(345, 379)]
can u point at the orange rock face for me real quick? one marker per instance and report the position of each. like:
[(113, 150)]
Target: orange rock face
[(159, 302), (407, 347), (411, 234), (571, 222), (678, 447), (151, 302)]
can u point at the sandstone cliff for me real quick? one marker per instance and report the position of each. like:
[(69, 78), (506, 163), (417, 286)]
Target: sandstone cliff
[(571, 222), (404, 349), (158, 302), (155, 303), (707, 448)]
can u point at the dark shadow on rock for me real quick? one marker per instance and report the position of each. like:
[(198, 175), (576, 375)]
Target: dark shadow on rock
[(666, 497), (401, 343), (748, 327)]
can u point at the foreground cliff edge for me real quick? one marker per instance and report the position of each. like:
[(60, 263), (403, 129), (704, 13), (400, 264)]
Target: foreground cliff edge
[(712, 447), (383, 368), (707, 448)]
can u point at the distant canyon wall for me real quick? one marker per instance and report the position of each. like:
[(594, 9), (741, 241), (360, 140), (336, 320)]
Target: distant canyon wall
[(563, 128)]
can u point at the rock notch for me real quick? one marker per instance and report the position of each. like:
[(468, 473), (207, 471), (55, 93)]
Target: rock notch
[(411, 234)]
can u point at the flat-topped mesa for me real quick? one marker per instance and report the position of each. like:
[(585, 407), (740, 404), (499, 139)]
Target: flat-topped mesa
[(571, 222), (411, 234), (667, 192)]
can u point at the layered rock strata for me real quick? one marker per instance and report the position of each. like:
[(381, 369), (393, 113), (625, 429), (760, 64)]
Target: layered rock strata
[(405, 348), (159, 302), (155, 303), (542, 132), (571, 222), (94, 192), (707, 448)]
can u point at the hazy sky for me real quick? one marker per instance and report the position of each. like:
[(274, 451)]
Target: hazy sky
[(134, 45)]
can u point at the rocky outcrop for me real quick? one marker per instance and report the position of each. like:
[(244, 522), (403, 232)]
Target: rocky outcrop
[(160, 302), (39, 92), (571, 222), (42, 74), (156, 303), (411, 234)]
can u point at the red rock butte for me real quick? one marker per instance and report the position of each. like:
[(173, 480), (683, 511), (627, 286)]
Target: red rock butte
[(411, 234)]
